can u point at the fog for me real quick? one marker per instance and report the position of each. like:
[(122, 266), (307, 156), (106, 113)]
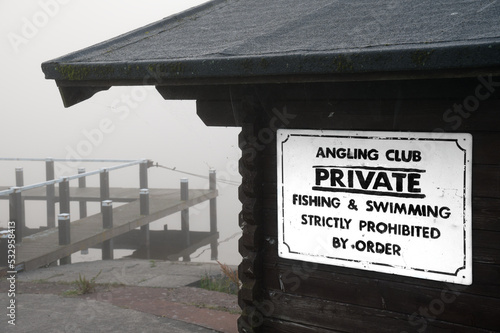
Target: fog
[(122, 123)]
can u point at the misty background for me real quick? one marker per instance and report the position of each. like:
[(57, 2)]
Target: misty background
[(139, 123)]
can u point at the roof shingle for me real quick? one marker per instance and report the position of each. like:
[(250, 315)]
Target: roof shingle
[(259, 40)]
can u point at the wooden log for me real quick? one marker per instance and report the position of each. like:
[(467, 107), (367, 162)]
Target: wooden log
[(144, 210), (213, 214), (143, 175), (82, 183), (337, 316), (51, 208), (104, 185), (485, 275), (185, 216), (16, 213), (64, 198), (387, 115), (276, 325), (107, 223), (64, 227), (250, 218), (427, 89), (380, 294)]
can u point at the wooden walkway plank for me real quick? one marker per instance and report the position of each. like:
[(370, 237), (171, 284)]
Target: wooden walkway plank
[(91, 194), (42, 248)]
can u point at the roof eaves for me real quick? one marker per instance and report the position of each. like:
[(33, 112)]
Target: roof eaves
[(408, 58)]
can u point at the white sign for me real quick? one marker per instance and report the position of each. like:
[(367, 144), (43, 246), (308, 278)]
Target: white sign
[(391, 202)]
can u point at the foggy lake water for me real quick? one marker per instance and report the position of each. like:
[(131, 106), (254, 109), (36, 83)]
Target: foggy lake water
[(122, 123)]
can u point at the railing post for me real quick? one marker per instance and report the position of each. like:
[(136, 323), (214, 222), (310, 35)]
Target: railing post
[(143, 174), (144, 201), (107, 223), (213, 215), (64, 200), (104, 185), (82, 183), (51, 202), (144, 207), (185, 217), (64, 227), (20, 183), (16, 212), (19, 177)]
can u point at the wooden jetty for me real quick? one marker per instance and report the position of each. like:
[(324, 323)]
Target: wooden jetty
[(139, 208)]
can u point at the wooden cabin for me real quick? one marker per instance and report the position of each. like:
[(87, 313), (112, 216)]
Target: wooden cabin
[(359, 120)]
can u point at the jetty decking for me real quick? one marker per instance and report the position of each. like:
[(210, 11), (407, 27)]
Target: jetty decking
[(43, 248), (136, 208), (90, 194)]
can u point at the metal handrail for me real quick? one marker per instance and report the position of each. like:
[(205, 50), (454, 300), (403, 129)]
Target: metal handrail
[(62, 160), (15, 189)]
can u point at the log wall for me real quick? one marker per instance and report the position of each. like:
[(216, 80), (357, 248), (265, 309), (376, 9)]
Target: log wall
[(281, 295)]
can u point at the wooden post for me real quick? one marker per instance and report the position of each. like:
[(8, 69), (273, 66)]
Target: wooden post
[(144, 207), (19, 177), (144, 201), (107, 213), (213, 215), (20, 183), (82, 183), (51, 202), (143, 174), (64, 227), (107, 223), (64, 200), (185, 217), (104, 185), (16, 212)]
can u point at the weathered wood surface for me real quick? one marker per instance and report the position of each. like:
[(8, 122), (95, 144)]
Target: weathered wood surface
[(90, 194), (42, 248), (392, 296), (281, 295), (355, 318), (433, 89), (367, 114)]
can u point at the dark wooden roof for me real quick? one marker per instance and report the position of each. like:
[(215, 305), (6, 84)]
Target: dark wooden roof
[(262, 41)]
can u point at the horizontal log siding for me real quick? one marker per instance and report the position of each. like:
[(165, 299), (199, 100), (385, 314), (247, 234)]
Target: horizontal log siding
[(296, 296)]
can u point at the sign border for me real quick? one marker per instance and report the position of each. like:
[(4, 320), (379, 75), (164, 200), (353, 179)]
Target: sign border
[(379, 135)]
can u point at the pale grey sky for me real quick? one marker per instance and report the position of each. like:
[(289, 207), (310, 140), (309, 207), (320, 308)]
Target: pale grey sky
[(138, 123)]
